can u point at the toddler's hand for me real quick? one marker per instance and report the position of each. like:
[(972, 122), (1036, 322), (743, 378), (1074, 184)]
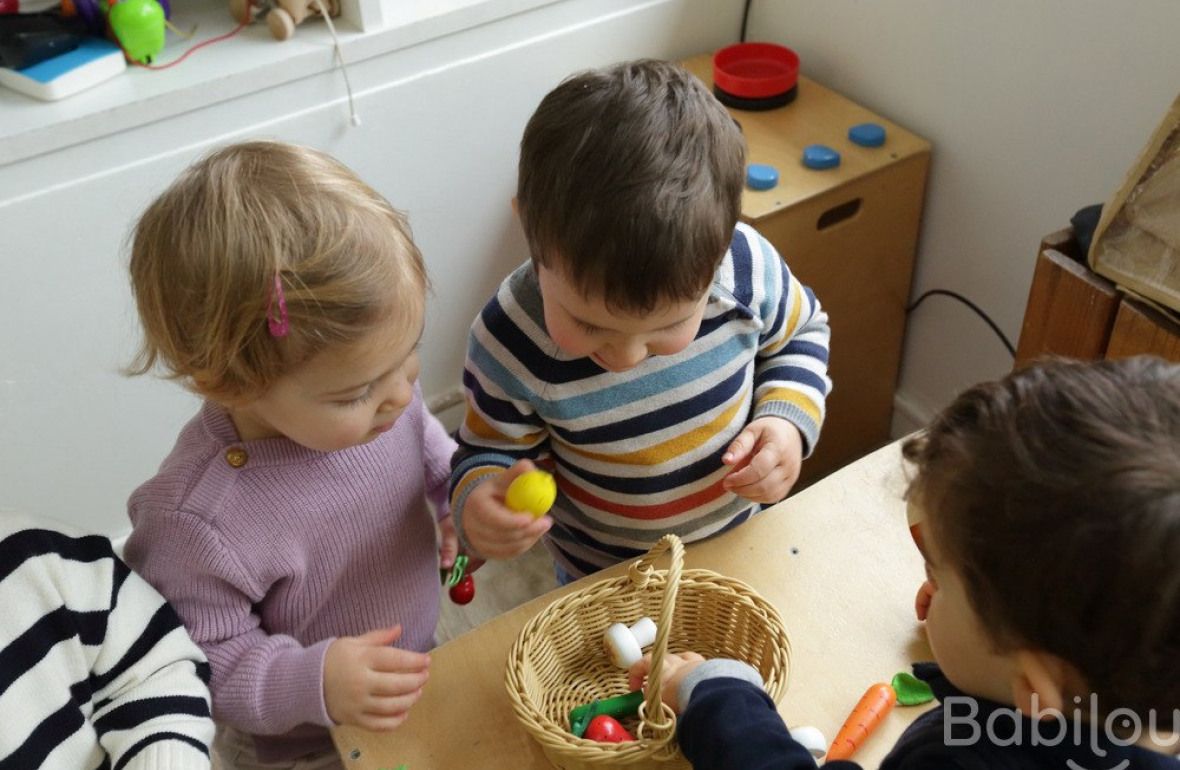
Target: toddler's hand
[(448, 547), (676, 667), (494, 530), (370, 684), (765, 458)]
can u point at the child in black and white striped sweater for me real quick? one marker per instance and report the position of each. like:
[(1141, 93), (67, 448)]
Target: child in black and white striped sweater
[(96, 670)]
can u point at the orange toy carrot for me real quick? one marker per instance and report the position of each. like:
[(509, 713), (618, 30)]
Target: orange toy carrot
[(869, 711)]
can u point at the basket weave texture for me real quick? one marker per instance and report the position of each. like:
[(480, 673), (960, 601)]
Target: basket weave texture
[(558, 661)]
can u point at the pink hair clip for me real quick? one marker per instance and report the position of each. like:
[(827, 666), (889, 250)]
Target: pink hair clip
[(278, 325)]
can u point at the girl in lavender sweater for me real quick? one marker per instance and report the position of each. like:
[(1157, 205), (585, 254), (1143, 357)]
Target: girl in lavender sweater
[(291, 526)]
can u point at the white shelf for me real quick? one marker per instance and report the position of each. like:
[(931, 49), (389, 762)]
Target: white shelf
[(249, 62)]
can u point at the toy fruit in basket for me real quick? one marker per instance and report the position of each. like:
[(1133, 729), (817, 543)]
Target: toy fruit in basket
[(618, 706), (532, 492), (606, 729), (558, 657)]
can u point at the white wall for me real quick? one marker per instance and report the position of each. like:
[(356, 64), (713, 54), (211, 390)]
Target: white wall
[(441, 122), (1035, 109)]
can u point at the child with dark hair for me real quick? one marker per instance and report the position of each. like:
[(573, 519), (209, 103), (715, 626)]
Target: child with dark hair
[(1050, 506), (654, 352)]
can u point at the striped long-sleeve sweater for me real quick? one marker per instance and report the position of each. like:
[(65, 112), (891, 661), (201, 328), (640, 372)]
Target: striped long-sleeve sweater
[(638, 454), (96, 670)]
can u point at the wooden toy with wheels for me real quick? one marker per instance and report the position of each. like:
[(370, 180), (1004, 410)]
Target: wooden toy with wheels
[(282, 16)]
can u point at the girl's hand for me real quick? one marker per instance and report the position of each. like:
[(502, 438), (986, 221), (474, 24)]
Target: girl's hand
[(448, 547), (370, 684), (676, 667), (493, 529), (765, 458)]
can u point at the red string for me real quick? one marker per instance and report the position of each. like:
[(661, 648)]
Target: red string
[(192, 50)]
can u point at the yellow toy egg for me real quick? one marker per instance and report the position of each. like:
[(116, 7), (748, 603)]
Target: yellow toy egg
[(532, 492)]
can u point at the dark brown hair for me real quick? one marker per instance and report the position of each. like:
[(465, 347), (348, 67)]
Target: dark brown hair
[(630, 183), (1055, 494)]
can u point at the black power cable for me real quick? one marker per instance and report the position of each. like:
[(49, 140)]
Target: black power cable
[(978, 311), (745, 19)]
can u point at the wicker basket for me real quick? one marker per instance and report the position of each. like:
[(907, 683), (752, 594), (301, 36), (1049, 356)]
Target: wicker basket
[(558, 661)]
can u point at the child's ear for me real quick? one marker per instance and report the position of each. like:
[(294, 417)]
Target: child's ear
[(1043, 675), (515, 207)]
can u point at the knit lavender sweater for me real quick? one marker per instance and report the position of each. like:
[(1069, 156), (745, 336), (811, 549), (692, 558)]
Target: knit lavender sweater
[(269, 551)]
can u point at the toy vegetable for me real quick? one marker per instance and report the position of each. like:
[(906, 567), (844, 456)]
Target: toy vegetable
[(868, 714), (618, 706), (625, 645), (606, 729)]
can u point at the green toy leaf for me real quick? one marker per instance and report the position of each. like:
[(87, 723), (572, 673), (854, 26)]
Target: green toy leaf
[(911, 691)]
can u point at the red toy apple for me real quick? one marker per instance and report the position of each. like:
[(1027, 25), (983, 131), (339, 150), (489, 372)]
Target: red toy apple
[(463, 591), (606, 729)]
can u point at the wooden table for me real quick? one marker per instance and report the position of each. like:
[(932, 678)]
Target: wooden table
[(837, 561)]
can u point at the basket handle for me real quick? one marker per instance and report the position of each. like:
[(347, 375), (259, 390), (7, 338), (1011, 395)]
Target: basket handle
[(653, 713)]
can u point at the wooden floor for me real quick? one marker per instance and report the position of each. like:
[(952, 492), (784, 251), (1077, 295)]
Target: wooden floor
[(499, 586)]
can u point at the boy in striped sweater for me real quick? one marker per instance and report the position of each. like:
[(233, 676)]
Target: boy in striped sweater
[(658, 356), (96, 670)]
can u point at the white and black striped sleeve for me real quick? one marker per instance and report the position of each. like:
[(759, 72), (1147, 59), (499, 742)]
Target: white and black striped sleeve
[(96, 670)]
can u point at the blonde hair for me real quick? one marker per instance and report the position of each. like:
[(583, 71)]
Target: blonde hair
[(206, 253)]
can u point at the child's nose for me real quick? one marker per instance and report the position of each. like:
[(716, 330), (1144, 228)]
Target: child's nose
[(626, 355), (398, 397)]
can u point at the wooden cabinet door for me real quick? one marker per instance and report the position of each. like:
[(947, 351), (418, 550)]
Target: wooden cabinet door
[(1141, 329)]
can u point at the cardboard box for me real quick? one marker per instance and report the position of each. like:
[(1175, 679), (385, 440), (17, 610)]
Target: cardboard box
[(1137, 242)]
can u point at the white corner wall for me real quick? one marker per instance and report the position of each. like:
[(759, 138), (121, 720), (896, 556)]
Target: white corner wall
[(441, 123), (1034, 109)]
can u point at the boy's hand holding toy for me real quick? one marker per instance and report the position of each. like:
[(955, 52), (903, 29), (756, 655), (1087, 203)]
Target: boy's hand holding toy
[(765, 458), (676, 667), (371, 684), (493, 528)]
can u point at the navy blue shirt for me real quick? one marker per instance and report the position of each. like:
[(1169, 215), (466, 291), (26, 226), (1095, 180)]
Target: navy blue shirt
[(731, 724)]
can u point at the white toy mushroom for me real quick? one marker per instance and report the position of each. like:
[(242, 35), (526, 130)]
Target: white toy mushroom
[(811, 739), (625, 645)]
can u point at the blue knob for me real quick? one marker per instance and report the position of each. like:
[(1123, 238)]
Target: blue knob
[(759, 176), (867, 134), (820, 156)]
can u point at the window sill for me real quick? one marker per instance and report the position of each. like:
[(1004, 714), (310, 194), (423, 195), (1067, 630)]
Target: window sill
[(251, 61)]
